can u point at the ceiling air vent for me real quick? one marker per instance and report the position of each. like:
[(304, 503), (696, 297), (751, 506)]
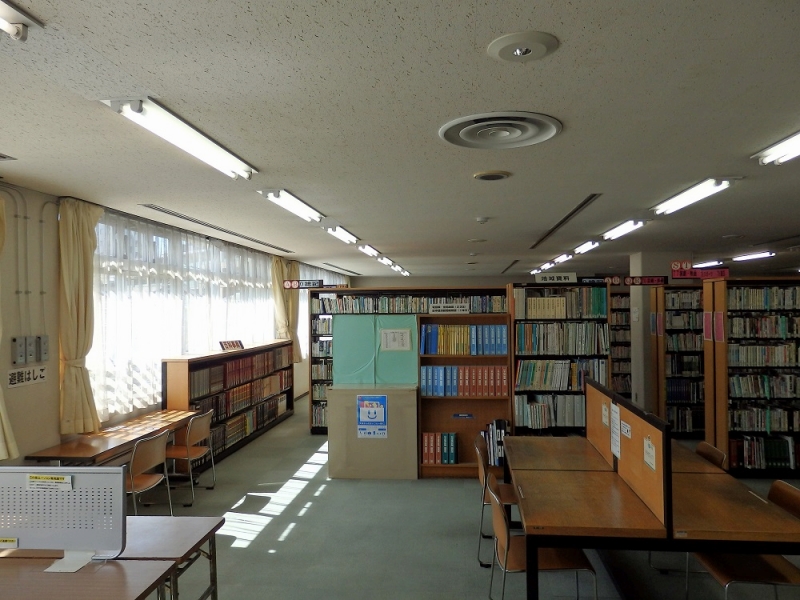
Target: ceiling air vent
[(495, 131), (6, 157), (338, 268)]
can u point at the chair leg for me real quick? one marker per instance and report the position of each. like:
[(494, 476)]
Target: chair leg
[(213, 472), (577, 587), (481, 536), (686, 591), (491, 566), (169, 494), (191, 481), (135, 511), (594, 580)]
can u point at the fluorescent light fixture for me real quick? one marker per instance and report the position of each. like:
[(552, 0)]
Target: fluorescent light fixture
[(781, 152), (16, 22), (368, 250), (710, 263), (385, 261), (396, 267), (536, 271), (620, 230), (546, 266), (584, 248), (704, 189), (405, 273), (17, 31), (342, 233), (562, 258), (754, 256), (292, 203), (158, 120)]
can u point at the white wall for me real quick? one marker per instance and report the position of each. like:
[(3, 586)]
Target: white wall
[(33, 409)]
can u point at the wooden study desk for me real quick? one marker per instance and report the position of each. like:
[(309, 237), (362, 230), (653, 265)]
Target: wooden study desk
[(177, 539), (101, 580), (687, 461), (554, 454), (97, 448)]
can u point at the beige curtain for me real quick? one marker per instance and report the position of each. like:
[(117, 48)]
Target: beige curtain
[(77, 243), (293, 308), (8, 445), (279, 273)]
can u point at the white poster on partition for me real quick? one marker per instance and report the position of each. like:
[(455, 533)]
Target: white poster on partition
[(371, 416), (615, 430)]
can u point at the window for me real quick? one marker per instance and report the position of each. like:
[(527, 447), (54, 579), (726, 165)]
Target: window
[(162, 292)]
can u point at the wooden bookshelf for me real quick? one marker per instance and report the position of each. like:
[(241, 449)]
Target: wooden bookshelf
[(756, 326), (681, 359), (465, 384), (326, 302), (561, 336), (619, 322), (250, 390)]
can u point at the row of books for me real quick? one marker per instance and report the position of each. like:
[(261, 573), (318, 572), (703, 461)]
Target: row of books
[(683, 320), (764, 298), (439, 448), (319, 391), (683, 299), (621, 366), (550, 410), (684, 342), (239, 370), (464, 381), (778, 355), (238, 398), (684, 390), (621, 384), (244, 424), (560, 303), (206, 381), (685, 419), (319, 414), (677, 365), (763, 418), (579, 338), (620, 351), (463, 340), (559, 375), (620, 318), (755, 452), (494, 434), (620, 335), (321, 348), (765, 327), (404, 304), (322, 326), (764, 386), (620, 301), (322, 369)]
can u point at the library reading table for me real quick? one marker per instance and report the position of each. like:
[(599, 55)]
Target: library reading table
[(97, 448)]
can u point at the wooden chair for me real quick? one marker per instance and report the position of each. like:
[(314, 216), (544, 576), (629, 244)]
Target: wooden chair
[(717, 458), (767, 569), (188, 448), (510, 550), (506, 491), (712, 454), (148, 454)]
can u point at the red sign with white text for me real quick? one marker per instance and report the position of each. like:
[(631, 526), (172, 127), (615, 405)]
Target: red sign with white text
[(699, 273)]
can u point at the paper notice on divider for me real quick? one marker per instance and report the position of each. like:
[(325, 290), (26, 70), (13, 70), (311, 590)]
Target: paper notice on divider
[(615, 430)]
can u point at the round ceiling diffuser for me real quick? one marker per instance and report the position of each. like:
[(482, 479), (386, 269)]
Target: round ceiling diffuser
[(495, 131), (522, 46), (492, 175)]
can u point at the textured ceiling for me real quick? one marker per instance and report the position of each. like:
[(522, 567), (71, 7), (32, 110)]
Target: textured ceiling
[(341, 102)]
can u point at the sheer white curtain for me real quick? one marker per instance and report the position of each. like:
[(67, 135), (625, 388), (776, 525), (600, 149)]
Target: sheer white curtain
[(328, 278), (161, 292)]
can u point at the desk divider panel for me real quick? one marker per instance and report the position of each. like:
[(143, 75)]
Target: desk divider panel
[(598, 419), (644, 460)]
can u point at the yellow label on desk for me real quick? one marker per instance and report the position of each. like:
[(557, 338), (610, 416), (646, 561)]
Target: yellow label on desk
[(9, 543), (61, 483)]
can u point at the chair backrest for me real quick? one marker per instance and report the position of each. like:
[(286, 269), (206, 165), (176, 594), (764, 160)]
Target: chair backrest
[(199, 428), (786, 496), (502, 531), (148, 453), (482, 450), (712, 454)]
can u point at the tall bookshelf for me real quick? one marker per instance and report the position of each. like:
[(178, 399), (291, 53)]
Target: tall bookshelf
[(756, 327), (561, 336), (250, 391), (680, 353), (327, 302), (620, 340), (465, 384)]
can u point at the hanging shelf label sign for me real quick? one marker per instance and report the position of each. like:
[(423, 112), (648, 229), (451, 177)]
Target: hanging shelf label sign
[(556, 278), (301, 284), (459, 308), (699, 273), (26, 376)]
